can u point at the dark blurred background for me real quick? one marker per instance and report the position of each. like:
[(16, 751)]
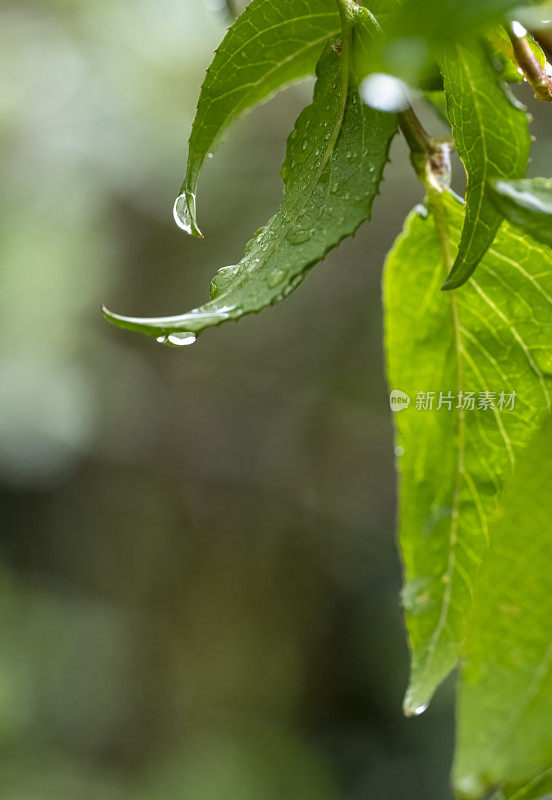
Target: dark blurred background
[(199, 585)]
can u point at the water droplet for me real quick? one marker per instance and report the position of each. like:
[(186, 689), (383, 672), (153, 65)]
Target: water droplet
[(421, 211), (276, 277), (162, 339), (399, 451), (181, 338), (181, 212), (298, 236), (419, 710), (305, 145), (334, 188), (209, 155), (384, 92), (222, 280)]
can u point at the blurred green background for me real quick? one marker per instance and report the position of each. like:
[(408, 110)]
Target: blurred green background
[(199, 586)]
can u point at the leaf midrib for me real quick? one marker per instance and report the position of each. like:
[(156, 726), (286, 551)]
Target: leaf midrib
[(475, 96)]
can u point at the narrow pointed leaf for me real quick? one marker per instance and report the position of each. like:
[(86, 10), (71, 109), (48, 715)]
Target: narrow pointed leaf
[(526, 204), (272, 43), (492, 139), (493, 336), (505, 702), (333, 166)]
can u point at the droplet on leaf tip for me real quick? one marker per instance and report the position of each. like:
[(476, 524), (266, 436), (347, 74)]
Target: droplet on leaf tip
[(181, 213), (181, 338)]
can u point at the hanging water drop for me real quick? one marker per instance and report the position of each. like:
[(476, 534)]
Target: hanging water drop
[(182, 214), (181, 338)]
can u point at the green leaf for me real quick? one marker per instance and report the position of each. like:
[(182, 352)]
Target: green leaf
[(333, 166), (527, 204), (505, 702), (492, 139), (495, 336), (272, 43)]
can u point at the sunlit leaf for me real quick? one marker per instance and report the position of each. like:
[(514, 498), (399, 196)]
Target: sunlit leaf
[(493, 336), (333, 166), (492, 139), (527, 204), (505, 704)]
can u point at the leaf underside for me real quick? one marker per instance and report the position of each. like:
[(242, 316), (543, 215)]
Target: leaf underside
[(492, 139), (495, 335), (333, 166), (527, 204)]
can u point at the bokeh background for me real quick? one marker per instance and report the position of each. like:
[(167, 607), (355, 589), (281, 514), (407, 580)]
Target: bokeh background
[(199, 585)]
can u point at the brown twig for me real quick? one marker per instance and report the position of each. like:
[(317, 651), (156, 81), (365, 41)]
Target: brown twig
[(536, 76), (430, 157)]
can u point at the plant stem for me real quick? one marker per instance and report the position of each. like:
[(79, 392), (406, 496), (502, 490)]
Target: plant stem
[(431, 161), (430, 157), (345, 8), (415, 134), (535, 74)]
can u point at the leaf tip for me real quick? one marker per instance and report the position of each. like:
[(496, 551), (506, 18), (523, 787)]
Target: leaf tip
[(458, 276), (106, 312), (412, 707)]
